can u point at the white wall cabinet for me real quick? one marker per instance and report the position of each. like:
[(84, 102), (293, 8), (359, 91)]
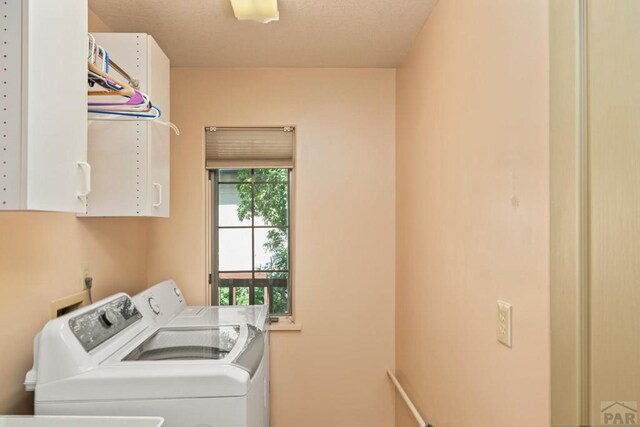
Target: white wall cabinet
[(43, 105), (130, 160)]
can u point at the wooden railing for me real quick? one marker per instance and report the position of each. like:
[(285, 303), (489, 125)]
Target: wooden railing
[(421, 422)]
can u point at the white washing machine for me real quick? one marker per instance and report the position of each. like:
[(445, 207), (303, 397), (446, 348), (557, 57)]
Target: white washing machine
[(164, 304), (113, 358)]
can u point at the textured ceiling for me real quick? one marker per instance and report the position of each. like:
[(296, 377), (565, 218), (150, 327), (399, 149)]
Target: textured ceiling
[(310, 33)]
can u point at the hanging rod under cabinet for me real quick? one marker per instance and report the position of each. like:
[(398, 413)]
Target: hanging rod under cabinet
[(135, 83)]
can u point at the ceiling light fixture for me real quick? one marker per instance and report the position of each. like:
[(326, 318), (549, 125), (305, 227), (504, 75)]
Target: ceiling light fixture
[(256, 10)]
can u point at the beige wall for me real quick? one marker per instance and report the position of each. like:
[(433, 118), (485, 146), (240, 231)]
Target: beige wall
[(96, 24), (472, 215), (332, 373), (43, 257)]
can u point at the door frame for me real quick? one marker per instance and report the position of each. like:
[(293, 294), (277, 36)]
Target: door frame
[(569, 214)]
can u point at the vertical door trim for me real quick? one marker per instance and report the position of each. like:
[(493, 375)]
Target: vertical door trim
[(583, 234)]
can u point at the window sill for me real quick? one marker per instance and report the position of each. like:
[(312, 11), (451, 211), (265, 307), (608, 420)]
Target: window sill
[(285, 324)]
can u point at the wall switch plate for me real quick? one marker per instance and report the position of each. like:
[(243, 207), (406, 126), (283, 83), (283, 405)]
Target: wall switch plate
[(503, 323)]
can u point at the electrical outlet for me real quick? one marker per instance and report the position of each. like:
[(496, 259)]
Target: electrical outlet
[(503, 323)]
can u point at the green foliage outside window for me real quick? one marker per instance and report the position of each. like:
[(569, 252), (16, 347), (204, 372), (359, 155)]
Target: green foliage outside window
[(272, 204)]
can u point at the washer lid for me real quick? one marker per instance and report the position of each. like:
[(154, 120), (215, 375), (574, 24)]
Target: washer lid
[(242, 346), (205, 343), (255, 315)]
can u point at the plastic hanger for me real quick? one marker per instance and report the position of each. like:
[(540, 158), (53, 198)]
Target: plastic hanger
[(125, 90)]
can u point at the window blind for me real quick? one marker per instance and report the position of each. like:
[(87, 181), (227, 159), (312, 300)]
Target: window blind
[(267, 147)]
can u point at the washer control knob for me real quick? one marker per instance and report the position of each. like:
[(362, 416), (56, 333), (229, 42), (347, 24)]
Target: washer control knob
[(108, 318), (178, 293), (153, 304)]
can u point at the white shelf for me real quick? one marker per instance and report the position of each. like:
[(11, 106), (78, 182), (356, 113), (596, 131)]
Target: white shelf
[(130, 160)]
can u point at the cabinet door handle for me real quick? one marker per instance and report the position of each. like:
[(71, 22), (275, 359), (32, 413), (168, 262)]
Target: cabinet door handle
[(158, 189), (86, 173)]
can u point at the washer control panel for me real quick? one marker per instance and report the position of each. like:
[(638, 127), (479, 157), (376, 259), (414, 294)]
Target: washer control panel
[(160, 303), (98, 325)]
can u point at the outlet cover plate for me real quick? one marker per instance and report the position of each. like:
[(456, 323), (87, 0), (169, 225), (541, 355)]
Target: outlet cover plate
[(503, 323)]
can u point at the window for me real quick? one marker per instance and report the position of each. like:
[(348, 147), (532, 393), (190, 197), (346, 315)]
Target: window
[(251, 237), (250, 170)]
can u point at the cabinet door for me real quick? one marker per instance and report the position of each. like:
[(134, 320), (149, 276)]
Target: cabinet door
[(11, 106), (118, 155), (56, 105), (45, 153), (159, 135)]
